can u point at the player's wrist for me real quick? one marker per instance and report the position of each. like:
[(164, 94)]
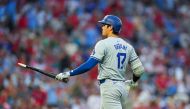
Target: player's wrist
[(135, 78), (68, 73)]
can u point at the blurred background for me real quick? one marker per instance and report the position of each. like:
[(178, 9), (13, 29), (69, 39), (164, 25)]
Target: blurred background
[(58, 35)]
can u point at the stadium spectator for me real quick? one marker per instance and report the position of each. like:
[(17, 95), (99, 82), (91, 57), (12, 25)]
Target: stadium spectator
[(48, 33)]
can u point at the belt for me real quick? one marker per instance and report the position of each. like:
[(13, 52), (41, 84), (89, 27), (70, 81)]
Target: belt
[(101, 81)]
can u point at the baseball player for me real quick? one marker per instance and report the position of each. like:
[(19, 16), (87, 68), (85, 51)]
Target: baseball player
[(112, 54)]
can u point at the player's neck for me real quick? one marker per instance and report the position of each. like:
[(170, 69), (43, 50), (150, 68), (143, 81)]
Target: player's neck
[(112, 35)]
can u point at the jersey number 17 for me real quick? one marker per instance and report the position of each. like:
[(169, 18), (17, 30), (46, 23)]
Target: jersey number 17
[(121, 59)]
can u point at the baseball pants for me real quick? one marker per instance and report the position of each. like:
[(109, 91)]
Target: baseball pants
[(114, 94)]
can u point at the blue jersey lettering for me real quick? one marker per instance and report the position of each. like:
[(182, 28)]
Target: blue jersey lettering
[(120, 46)]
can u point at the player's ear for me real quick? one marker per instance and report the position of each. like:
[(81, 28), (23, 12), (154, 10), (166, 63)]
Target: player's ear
[(111, 28), (108, 26)]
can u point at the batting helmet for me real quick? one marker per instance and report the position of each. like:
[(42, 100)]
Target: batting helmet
[(112, 20)]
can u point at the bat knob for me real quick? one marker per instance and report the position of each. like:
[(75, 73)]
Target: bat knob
[(65, 80)]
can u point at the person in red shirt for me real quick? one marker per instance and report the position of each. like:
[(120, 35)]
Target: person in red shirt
[(39, 96)]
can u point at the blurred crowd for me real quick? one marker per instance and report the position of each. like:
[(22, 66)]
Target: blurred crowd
[(58, 35)]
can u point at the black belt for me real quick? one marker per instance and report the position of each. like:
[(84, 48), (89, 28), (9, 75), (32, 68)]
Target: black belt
[(101, 81)]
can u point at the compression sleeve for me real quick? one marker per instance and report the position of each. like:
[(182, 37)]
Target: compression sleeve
[(89, 64)]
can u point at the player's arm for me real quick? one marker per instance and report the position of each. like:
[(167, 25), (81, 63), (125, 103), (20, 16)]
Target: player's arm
[(94, 59), (89, 64), (86, 66), (137, 69), (136, 65)]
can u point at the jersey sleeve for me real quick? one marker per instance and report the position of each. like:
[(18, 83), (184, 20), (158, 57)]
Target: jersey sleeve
[(133, 55), (136, 64), (99, 51)]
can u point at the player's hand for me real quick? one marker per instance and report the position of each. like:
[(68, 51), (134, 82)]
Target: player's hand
[(63, 76), (131, 84)]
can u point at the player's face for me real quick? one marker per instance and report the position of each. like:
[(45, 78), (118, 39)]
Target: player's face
[(106, 29)]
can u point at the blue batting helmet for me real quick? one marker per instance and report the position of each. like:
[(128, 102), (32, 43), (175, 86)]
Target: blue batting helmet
[(112, 20)]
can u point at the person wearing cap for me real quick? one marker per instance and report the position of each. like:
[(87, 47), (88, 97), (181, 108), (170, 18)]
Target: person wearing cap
[(113, 55)]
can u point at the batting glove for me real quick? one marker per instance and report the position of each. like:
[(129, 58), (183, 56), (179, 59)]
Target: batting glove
[(63, 76), (131, 84)]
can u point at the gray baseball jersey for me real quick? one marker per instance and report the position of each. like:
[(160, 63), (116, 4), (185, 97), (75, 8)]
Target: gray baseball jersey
[(114, 55)]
